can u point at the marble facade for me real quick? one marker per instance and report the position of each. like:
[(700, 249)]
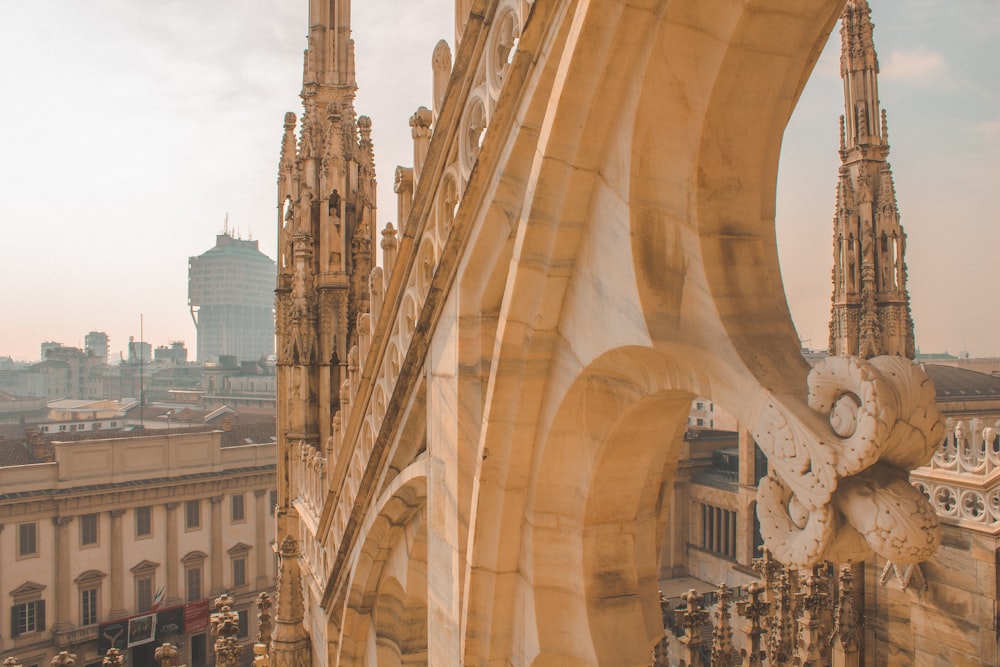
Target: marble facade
[(474, 437)]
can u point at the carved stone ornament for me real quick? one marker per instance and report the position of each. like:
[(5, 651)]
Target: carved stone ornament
[(838, 490)]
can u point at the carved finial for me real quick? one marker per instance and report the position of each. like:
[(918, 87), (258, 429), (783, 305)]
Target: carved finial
[(724, 654), (421, 120), (264, 605), (166, 655), (113, 658), (781, 629), (290, 120), (847, 622), (692, 618), (223, 601), (63, 659), (754, 609), (11, 662)]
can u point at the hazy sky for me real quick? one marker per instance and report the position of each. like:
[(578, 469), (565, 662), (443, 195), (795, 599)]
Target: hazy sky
[(132, 128)]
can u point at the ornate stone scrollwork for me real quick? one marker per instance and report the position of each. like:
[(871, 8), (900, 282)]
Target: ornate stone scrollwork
[(838, 490)]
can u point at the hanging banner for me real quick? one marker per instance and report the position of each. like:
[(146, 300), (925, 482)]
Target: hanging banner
[(170, 621), (112, 635), (196, 616), (141, 630)]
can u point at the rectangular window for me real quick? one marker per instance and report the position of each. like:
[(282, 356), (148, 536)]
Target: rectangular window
[(239, 572), (88, 606), (718, 531), (238, 511), (193, 581), (192, 514), (88, 530), (27, 539), (143, 593), (243, 624), (27, 617), (143, 521)]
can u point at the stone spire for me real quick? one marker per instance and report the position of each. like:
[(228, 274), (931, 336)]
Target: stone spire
[(329, 60), (871, 308), (326, 221)]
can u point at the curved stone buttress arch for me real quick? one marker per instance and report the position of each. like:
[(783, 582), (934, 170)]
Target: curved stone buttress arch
[(387, 590), (645, 157)]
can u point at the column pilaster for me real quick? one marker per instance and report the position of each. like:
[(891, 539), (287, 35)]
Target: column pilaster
[(173, 557), (117, 565), (215, 526), (60, 557), (260, 549)]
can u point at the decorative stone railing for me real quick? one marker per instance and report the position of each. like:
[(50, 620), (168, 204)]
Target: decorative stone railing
[(962, 481), (398, 295), (74, 636), (312, 476)]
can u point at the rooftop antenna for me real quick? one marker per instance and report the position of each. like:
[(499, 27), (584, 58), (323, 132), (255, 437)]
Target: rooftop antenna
[(142, 396), (225, 225)]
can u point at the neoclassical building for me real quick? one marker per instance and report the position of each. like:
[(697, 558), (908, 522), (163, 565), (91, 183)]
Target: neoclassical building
[(98, 534)]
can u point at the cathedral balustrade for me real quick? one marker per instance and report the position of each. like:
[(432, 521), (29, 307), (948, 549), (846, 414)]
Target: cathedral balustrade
[(311, 471), (397, 296), (962, 481)]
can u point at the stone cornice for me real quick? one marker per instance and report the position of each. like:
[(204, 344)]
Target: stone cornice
[(149, 492)]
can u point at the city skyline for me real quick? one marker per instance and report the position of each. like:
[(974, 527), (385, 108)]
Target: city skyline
[(135, 131)]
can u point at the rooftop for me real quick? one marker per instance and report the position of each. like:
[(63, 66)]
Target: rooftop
[(959, 383)]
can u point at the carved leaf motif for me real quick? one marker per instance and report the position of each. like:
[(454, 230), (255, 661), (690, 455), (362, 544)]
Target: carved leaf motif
[(838, 490)]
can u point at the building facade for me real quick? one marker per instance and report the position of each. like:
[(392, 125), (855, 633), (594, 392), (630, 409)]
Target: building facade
[(102, 534), (477, 441), (230, 293)]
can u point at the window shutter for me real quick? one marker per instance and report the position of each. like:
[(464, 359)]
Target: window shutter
[(13, 622), (41, 615)]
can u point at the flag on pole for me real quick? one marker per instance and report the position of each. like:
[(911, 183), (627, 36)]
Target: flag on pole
[(158, 599)]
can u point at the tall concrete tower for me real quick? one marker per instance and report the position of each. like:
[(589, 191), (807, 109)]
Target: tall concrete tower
[(229, 293), (871, 308)]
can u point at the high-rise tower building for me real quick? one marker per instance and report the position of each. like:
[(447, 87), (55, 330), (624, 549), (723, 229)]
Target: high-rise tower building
[(871, 308), (96, 343), (230, 295)]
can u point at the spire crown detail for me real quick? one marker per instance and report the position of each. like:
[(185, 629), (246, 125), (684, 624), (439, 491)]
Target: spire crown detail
[(871, 308)]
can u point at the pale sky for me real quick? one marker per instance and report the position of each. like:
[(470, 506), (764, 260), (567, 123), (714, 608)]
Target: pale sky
[(132, 128)]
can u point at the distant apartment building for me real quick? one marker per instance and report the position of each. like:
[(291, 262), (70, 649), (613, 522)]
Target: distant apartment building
[(101, 536), (96, 343), (176, 353), (249, 386), (64, 373), (139, 350), (231, 296)]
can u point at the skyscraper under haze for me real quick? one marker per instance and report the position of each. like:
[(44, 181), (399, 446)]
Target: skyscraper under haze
[(230, 292)]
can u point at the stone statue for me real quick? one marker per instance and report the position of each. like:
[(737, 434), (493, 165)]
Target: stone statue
[(113, 658), (264, 628), (333, 203), (63, 659)]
